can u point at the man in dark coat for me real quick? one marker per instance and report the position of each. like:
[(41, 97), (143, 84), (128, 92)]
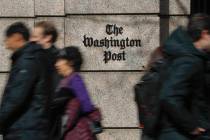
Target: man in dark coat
[(45, 34), (23, 107), (185, 102)]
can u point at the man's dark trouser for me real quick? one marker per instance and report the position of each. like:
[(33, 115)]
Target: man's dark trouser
[(172, 134), (145, 137), (166, 134)]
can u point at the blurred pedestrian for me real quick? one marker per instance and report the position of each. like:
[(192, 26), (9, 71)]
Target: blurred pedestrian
[(80, 119), (23, 108)]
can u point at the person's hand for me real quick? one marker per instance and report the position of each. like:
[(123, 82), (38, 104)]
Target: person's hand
[(141, 126), (198, 131)]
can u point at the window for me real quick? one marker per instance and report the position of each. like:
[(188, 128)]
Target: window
[(200, 6)]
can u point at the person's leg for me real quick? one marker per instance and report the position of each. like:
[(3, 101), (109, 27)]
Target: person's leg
[(25, 135), (145, 137), (202, 138), (94, 137), (172, 135)]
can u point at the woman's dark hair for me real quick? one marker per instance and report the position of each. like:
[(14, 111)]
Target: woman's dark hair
[(72, 54), (20, 28), (197, 23)]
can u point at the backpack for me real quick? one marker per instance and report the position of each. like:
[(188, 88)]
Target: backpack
[(147, 93)]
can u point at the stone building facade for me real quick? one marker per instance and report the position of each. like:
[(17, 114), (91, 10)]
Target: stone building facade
[(110, 84)]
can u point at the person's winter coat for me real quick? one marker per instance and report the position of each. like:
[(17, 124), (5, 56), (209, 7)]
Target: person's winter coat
[(77, 85), (77, 126), (23, 107), (183, 98), (72, 100)]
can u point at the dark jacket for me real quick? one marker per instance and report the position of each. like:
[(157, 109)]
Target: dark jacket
[(23, 108), (51, 55), (183, 97)]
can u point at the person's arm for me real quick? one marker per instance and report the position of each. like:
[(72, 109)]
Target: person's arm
[(79, 89), (175, 91), (60, 100), (73, 112), (18, 91)]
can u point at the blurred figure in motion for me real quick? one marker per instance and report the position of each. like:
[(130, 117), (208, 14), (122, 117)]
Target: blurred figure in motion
[(46, 34), (80, 119), (172, 99), (184, 100), (23, 107)]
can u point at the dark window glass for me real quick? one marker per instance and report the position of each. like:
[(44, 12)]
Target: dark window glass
[(200, 6)]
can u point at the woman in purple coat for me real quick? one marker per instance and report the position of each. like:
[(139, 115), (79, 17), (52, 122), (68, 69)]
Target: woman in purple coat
[(68, 65), (80, 114)]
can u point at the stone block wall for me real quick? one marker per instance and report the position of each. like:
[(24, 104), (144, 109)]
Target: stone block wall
[(110, 84)]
